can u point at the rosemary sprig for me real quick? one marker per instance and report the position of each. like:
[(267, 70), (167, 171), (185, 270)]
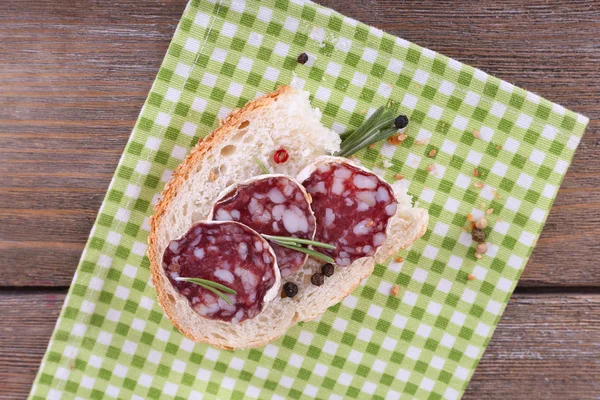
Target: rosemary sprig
[(382, 124), (262, 166), (293, 240), (296, 244), (214, 287)]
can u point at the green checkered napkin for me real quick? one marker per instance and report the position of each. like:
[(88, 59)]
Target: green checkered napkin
[(112, 339)]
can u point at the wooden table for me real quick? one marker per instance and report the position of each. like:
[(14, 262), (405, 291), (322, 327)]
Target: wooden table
[(74, 75)]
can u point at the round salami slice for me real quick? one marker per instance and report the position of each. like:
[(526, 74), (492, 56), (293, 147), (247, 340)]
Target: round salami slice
[(230, 254), (352, 207), (273, 205)]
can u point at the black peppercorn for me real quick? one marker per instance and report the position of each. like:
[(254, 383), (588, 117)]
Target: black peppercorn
[(478, 235), (317, 279), (401, 121), (303, 58), (290, 289), (327, 270)]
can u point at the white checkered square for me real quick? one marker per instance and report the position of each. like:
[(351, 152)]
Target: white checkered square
[(374, 311), (446, 88), (424, 331), (389, 343), (511, 145), (183, 70), (561, 166), (369, 55), (271, 74), (403, 375), (421, 76), (395, 65), (472, 99), (413, 353), (451, 394), (460, 123), (480, 75), (192, 45), (504, 284), (525, 181), (228, 29), (399, 321), (538, 215), (499, 168), (474, 157), (427, 384), (524, 121), (549, 132), (527, 238), (493, 307), (384, 90), (455, 262), (447, 340), (409, 101), (264, 14), (549, 191), (359, 79), (281, 49), (434, 308), (355, 357), (468, 296), (441, 229), (444, 286), (498, 109), (435, 112), (458, 318), (452, 205), (482, 329), (333, 69), (430, 252), (348, 104), (463, 181), (202, 19), (255, 39)]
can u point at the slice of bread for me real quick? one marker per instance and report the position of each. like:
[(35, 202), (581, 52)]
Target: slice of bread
[(282, 119)]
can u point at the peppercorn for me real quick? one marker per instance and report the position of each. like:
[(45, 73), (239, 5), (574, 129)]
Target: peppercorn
[(317, 279), (290, 289), (401, 121), (481, 223), (327, 270), (481, 248), (478, 235), (303, 58)]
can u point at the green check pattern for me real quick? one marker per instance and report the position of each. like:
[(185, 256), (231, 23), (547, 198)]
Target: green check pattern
[(112, 339)]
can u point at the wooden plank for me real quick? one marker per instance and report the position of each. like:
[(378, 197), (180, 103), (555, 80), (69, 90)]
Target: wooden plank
[(546, 346), (27, 324), (75, 75)]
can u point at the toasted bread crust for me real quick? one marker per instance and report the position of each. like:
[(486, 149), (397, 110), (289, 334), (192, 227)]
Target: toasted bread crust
[(172, 188)]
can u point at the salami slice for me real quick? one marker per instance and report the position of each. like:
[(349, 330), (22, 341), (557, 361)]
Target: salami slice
[(272, 205), (352, 207), (228, 253)]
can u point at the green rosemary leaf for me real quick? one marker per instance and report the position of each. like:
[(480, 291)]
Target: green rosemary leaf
[(315, 254), (297, 241), (379, 126), (262, 166), (214, 287)]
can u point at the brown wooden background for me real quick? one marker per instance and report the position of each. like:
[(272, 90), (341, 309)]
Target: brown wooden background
[(74, 75)]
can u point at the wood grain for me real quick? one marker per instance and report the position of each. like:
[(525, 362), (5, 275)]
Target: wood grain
[(74, 77), (544, 347)]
